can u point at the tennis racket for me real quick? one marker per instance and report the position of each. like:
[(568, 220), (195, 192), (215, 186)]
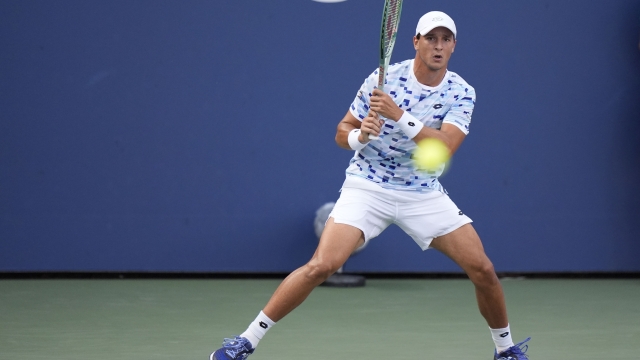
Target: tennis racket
[(388, 32)]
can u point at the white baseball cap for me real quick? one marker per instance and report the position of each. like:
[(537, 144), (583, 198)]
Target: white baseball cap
[(434, 19)]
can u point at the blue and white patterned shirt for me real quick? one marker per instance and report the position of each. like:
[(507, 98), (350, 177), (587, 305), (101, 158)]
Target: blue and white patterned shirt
[(387, 161)]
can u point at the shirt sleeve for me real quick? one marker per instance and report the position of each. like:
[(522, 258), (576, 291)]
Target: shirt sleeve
[(461, 110), (360, 105)]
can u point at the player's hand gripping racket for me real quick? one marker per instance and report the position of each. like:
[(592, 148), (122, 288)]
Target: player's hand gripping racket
[(388, 31)]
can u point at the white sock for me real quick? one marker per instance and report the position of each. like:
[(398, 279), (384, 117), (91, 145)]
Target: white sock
[(502, 338), (257, 329)]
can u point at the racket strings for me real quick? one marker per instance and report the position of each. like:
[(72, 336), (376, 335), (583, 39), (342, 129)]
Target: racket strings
[(388, 30), (391, 20)]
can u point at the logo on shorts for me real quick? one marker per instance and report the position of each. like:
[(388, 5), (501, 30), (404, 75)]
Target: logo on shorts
[(411, 124), (504, 334), (264, 325), (460, 212)]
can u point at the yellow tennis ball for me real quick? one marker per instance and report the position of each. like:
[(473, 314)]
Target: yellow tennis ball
[(430, 154)]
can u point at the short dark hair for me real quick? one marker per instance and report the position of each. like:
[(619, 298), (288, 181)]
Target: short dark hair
[(418, 36)]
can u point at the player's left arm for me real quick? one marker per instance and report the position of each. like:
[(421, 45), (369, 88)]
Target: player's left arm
[(450, 134)]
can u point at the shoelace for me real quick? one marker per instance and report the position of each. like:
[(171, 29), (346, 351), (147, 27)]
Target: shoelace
[(235, 346), (517, 349)]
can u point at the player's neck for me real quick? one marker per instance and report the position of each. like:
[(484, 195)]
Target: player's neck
[(426, 75)]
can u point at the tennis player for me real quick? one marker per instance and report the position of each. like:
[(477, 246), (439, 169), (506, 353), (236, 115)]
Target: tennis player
[(383, 187)]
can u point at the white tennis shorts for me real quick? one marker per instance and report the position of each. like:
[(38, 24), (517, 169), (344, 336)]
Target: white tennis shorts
[(423, 216)]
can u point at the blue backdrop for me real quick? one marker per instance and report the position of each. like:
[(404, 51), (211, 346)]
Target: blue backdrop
[(197, 136)]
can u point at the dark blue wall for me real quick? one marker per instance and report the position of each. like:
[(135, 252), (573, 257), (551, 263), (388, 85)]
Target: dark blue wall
[(198, 135)]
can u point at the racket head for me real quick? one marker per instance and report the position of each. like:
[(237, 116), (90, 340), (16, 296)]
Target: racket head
[(388, 31)]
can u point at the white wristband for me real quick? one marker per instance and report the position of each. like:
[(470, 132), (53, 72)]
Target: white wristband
[(409, 125), (354, 143)]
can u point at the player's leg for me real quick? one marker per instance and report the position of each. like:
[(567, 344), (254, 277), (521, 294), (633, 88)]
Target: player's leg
[(463, 246), (336, 244), (359, 215), (433, 220)]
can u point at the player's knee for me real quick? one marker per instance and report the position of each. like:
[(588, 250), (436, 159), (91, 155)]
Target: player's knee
[(483, 274), (318, 271)]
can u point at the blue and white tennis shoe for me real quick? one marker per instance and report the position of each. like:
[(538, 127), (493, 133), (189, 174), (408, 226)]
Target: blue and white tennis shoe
[(516, 352), (237, 348)]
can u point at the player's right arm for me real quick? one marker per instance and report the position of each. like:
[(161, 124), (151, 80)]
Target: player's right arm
[(360, 116), (371, 124)]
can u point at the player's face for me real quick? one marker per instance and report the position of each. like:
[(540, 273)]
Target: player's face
[(435, 48)]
